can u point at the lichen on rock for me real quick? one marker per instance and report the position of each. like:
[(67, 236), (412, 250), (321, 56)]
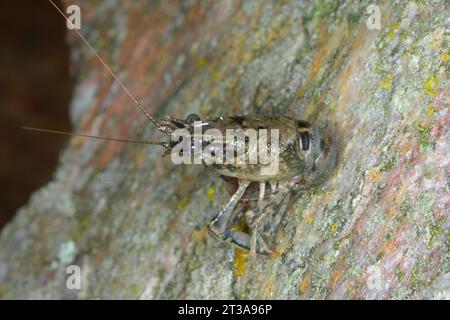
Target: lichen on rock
[(135, 223)]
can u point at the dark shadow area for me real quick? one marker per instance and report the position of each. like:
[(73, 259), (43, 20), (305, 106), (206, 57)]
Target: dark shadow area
[(35, 90)]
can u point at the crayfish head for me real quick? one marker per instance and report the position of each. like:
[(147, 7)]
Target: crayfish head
[(321, 156)]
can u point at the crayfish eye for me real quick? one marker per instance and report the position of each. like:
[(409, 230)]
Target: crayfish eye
[(304, 140), (304, 135), (192, 118)]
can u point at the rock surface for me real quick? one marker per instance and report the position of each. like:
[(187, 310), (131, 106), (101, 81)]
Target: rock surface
[(135, 223)]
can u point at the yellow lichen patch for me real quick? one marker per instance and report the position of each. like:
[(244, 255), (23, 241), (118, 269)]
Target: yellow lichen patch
[(431, 110), (392, 31), (247, 56), (374, 174), (240, 261), (308, 215), (431, 86), (445, 56), (201, 62), (182, 203), (211, 193), (215, 75), (333, 228), (448, 247), (387, 82)]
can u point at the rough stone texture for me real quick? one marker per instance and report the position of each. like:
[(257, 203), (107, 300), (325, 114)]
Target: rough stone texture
[(135, 223)]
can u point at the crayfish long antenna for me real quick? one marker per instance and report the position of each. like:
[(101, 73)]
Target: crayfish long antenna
[(158, 125), (66, 133)]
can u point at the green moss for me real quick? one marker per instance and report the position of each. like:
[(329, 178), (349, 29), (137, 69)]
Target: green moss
[(302, 53), (435, 230), (324, 8), (354, 19), (386, 83), (400, 275), (335, 220), (431, 86), (379, 68), (418, 276), (340, 243), (389, 161), (425, 203), (393, 31), (82, 226), (406, 208), (379, 191), (182, 203), (426, 141), (380, 256)]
